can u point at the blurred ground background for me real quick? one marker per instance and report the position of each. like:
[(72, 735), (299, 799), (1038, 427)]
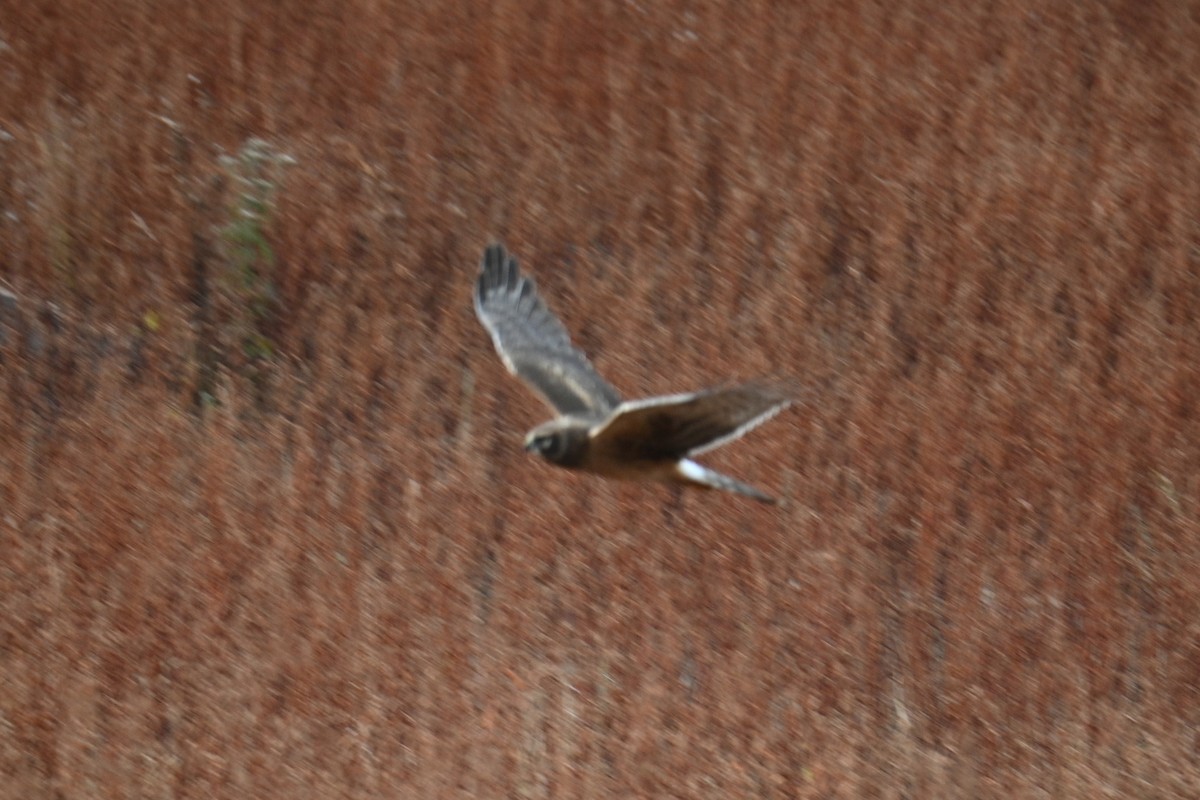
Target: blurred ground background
[(266, 529)]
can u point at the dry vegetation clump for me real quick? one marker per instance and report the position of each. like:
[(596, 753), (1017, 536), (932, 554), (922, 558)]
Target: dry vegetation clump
[(265, 526)]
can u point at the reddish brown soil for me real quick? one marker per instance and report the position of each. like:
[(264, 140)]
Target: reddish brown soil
[(332, 572)]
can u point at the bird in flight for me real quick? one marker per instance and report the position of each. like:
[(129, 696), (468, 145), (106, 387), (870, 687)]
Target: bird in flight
[(650, 439)]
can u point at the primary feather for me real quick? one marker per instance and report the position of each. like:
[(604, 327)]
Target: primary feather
[(533, 343)]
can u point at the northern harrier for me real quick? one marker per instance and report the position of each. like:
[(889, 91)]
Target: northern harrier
[(595, 431)]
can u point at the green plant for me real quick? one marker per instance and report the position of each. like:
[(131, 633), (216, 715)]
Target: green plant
[(253, 171)]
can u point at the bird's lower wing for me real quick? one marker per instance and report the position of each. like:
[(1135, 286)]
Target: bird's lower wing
[(675, 426)]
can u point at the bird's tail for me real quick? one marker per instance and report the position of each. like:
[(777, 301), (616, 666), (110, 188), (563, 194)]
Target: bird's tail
[(694, 474)]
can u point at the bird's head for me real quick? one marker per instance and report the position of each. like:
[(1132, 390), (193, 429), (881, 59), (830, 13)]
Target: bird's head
[(560, 441)]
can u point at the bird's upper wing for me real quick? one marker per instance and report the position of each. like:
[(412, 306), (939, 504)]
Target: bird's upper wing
[(533, 344), (679, 425)]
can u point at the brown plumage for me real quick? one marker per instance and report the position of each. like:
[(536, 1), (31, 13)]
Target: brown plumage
[(648, 439)]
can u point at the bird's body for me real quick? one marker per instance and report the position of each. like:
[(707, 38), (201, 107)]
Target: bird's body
[(647, 440)]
